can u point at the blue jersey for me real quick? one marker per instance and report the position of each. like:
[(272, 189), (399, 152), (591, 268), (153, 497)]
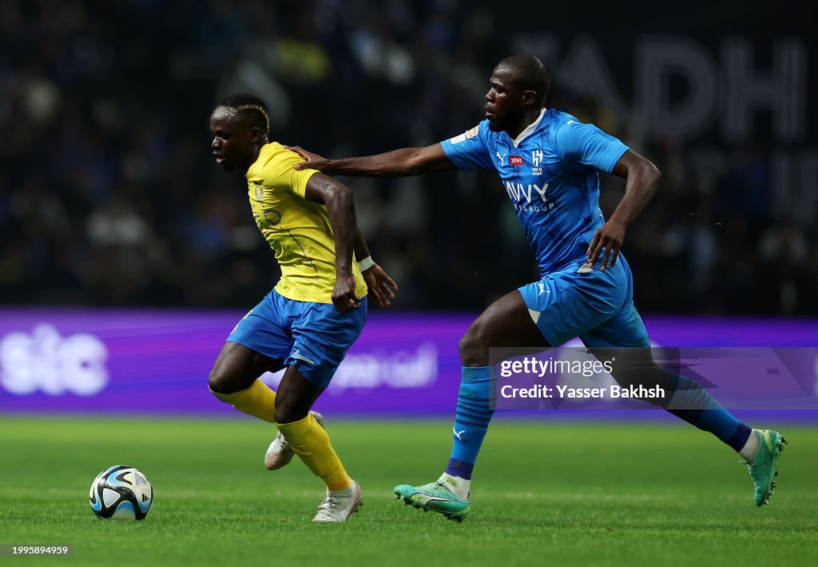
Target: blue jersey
[(550, 175)]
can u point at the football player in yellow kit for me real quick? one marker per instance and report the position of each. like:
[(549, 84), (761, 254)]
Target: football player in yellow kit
[(316, 310)]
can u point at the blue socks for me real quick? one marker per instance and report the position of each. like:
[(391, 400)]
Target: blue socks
[(696, 406), (475, 407), (477, 396)]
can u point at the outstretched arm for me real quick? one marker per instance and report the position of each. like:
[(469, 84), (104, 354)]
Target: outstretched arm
[(397, 163), (642, 176), (380, 285), (337, 197)]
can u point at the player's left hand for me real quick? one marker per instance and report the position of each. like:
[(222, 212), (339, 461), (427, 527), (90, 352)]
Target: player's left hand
[(609, 237), (343, 295), (380, 285)]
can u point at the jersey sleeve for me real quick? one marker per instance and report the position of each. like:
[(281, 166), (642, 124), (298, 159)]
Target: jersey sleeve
[(585, 147), (280, 173), (469, 150)]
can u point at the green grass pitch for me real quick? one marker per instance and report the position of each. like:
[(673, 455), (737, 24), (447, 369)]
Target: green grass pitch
[(544, 494)]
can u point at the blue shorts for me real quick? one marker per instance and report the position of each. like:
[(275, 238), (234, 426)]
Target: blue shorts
[(596, 306), (311, 337)]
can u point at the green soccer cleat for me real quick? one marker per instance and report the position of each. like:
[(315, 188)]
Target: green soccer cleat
[(436, 497), (762, 469)]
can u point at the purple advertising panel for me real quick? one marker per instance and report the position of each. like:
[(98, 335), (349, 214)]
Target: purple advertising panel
[(157, 362), (143, 361)]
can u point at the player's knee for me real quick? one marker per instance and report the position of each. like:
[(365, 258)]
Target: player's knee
[(287, 412), (474, 347), (220, 383)]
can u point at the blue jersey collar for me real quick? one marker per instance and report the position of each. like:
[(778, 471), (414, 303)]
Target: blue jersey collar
[(528, 130)]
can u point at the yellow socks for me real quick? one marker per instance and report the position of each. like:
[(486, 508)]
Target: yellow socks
[(311, 443), (305, 436), (258, 400)]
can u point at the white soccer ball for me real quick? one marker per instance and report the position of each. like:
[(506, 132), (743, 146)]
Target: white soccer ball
[(121, 492)]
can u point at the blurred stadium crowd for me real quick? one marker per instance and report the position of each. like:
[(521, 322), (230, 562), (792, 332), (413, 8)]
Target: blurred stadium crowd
[(109, 194)]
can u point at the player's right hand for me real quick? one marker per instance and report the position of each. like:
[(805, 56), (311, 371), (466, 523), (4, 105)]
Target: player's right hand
[(607, 241), (312, 161), (343, 295)]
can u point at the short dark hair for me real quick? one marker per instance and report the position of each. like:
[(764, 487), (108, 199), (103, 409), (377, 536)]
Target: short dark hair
[(530, 73), (252, 109)]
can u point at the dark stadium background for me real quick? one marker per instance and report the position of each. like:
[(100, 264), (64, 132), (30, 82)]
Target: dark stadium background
[(109, 197)]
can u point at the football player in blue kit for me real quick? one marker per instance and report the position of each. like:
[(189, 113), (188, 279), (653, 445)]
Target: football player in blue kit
[(549, 163)]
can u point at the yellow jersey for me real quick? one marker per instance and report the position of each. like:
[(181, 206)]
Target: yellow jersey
[(297, 230)]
